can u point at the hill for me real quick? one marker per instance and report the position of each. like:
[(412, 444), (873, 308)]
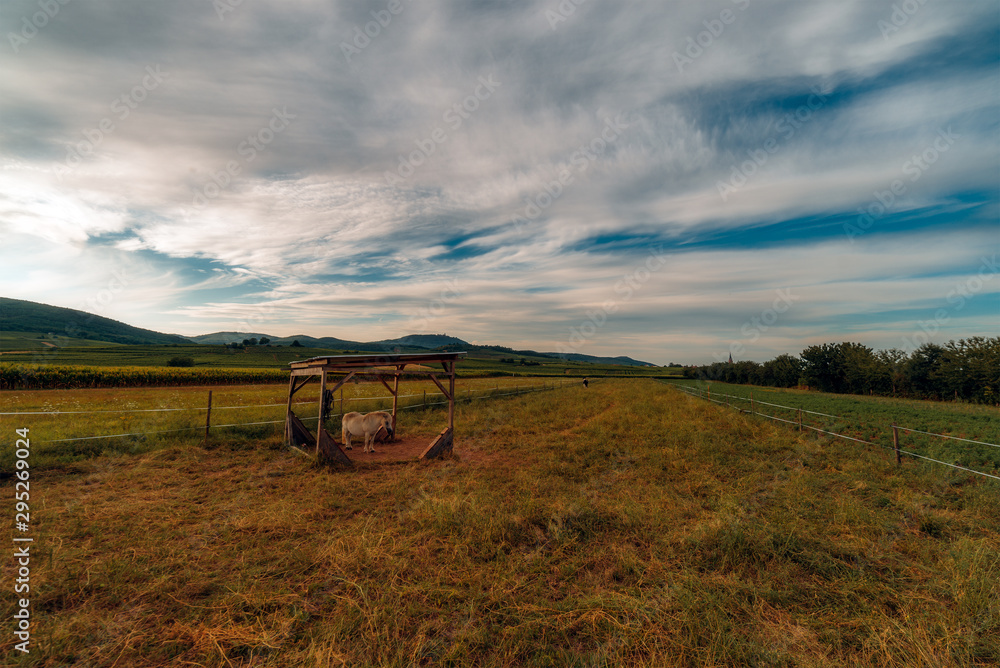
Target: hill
[(71, 326), (579, 357), (18, 315)]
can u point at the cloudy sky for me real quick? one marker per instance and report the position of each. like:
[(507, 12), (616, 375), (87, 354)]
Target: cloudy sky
[(667, 180)]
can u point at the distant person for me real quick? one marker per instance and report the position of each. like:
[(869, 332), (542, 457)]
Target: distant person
[(586, 383)]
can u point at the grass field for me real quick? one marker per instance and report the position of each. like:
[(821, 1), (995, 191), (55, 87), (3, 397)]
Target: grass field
[(622, 525), (156, 417), (871, 419)]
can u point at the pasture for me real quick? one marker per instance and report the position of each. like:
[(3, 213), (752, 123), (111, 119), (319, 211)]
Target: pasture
[(622, 525), (870, 418), (64, 423)]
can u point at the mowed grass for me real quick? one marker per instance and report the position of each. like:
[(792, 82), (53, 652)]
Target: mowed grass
[(621, 525)]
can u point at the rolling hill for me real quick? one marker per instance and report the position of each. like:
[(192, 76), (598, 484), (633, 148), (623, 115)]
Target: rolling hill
[(17, 315), (24, 316)]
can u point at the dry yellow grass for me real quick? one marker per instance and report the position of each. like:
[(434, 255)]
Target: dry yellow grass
[(623, 525)]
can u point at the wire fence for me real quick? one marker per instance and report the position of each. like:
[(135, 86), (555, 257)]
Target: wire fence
[(801, 424), (469, 394)]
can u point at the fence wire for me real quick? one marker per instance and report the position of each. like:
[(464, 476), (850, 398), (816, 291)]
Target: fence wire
[(458, 398), (694, 392)]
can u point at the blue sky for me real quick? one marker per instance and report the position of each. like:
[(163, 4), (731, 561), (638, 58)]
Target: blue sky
[(670, 181)]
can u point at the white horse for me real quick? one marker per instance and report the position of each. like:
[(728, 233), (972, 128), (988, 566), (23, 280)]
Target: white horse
[(356, 424)]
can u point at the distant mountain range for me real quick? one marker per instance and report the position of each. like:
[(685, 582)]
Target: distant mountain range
[(17, 315)]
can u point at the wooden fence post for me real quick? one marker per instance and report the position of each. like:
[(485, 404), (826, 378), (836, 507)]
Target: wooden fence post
[(342, 400), (800, 419), (895, 443), (425, 398), (752, 411), (208, 416)]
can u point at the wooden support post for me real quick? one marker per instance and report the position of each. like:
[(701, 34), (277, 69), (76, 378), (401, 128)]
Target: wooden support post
[(208, 416), (395, 399), (322, 393), (288, 410), (342, 400), (800, 419), (895, 443), (752, 411), (425, 398), (451, 393), (709, 392)]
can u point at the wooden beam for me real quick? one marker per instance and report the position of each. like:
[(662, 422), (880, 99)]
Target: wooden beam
[(441, 444), (340, 384), (288, 410), (440, 386), (327, 450), (451, 397), (387, 385), (296, 385), (322, 396), (299, 434), (395, 399)]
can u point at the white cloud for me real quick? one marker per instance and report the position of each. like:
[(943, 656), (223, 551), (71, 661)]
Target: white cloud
[(308, 233)]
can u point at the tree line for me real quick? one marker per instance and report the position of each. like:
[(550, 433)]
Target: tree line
[(966, 370)]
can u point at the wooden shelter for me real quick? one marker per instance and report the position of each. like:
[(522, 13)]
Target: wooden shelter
[(382, 367)]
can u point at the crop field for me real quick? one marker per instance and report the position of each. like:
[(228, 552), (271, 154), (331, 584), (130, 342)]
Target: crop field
[(32, 342), (142, 366), (626, 524), (871, 419)]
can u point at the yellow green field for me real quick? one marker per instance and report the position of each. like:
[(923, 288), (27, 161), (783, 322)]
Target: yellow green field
[(621, 525)]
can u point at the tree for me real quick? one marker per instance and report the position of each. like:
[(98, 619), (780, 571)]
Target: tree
[(264, 340), (969, 369), (922, 371), (821, 367), (782, 371), (891, 371), (296, 344), (860, 368)]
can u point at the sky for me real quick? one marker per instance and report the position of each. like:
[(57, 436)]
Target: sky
[(673, 181)]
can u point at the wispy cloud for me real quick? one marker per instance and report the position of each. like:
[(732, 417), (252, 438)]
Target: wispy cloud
[(745, 166)]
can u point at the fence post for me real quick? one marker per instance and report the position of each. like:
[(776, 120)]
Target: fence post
[(895, 443), (425, 398), (752, 411), (800, 419), (208, 416), (341, 399)]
